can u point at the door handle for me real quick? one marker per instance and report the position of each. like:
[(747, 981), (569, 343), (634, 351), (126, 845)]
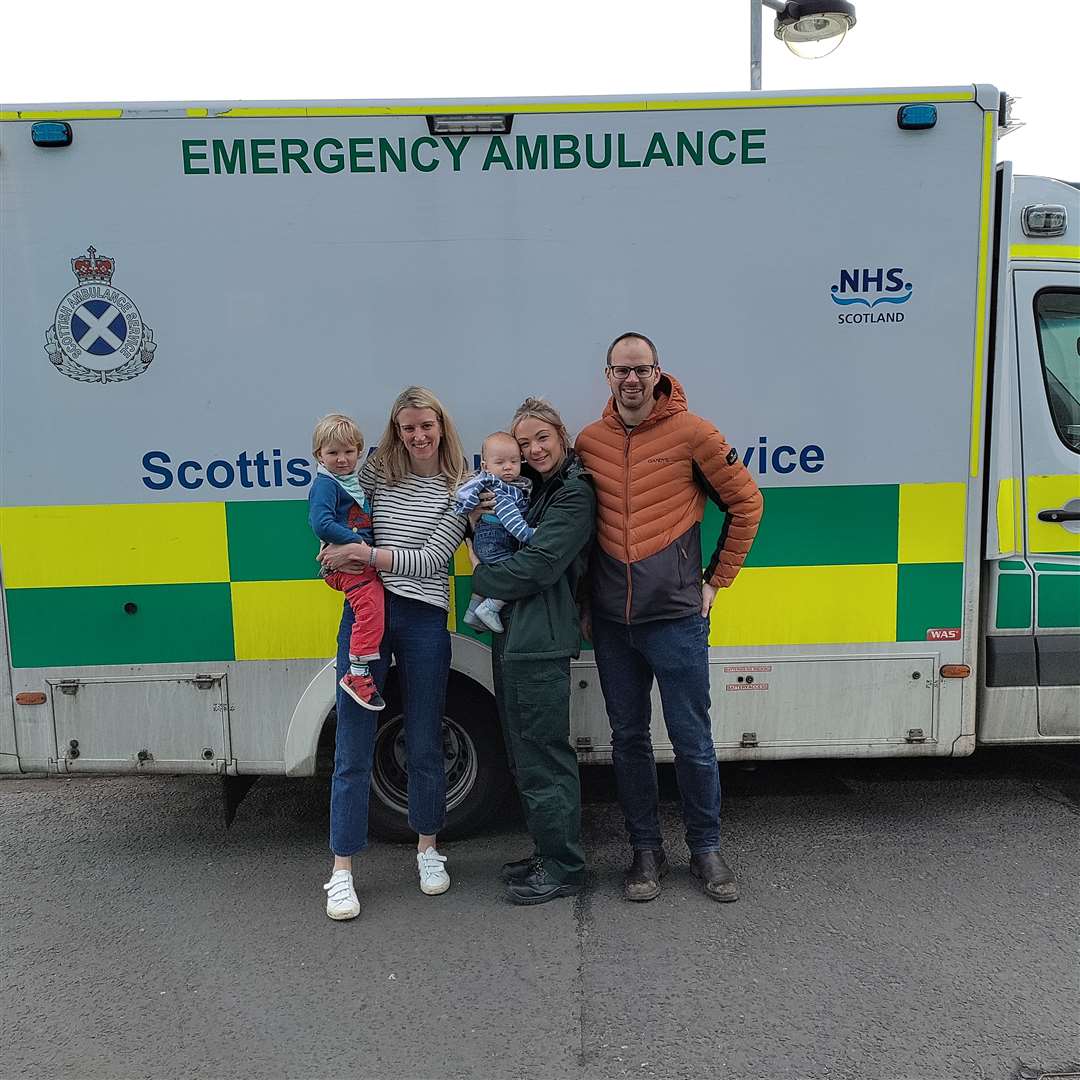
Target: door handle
[(1058, 516)]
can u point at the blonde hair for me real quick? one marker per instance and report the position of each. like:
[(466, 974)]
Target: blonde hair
[(336, 427), (391, 455), (536, 408)]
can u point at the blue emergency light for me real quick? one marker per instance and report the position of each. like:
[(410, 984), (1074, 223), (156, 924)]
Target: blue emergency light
[(916, 117), (50, 133)]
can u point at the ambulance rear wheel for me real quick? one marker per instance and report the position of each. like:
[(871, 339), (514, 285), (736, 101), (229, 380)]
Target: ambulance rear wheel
[(477, 776)]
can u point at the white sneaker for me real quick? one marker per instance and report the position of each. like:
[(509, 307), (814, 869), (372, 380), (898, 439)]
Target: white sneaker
[(489, 616), (433, 876), (469, 618), (341, 900)]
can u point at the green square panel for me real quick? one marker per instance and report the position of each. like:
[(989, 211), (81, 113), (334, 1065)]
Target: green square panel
[(271, 541), (1059, 600), (120, 624), (928, 596), (1013, 602), (819, 526)]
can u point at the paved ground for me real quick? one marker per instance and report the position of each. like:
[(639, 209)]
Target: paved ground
[(899, 921)]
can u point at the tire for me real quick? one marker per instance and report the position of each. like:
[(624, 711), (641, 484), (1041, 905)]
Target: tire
[(477, 775)]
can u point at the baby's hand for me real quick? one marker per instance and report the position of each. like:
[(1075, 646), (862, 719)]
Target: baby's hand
[(484, 506)]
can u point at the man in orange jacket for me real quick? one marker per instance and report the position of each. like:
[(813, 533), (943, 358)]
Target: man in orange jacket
[(654, 463)]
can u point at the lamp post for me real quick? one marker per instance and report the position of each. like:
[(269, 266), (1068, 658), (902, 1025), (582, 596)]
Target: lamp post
[(809, 28)]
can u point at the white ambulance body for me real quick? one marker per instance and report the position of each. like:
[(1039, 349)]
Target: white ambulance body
[(878, 315)]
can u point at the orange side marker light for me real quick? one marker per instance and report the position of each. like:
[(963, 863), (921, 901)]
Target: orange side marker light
[(954, 671)]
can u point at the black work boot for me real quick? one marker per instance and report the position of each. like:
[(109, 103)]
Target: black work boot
[(716, 877), (642, 881), (539, 887), (518, 870)]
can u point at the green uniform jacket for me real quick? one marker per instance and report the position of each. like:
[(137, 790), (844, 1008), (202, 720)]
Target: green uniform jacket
[(542, 578)]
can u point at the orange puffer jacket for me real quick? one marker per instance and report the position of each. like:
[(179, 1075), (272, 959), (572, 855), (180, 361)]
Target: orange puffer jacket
[(651, 484)]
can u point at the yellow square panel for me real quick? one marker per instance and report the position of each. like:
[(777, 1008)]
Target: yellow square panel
[(159, 544), (932, 523), (285, 620), (1006, 517), (462, 564), (806, 605), (1051, 493)]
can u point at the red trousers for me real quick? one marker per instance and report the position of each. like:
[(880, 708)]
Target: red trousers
[(364, 594)]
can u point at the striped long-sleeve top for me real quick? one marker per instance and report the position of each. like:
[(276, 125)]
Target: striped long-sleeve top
[(415, 519), (510, 500)]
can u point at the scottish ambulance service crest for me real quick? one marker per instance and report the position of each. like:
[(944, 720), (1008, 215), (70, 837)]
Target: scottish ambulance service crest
[(98, 334)]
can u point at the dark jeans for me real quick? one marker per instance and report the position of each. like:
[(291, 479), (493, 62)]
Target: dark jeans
[(676, 652), (492, 542), (416, 636), (533, 699)]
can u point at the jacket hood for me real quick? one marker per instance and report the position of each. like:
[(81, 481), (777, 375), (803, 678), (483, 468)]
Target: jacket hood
[(670, 399)]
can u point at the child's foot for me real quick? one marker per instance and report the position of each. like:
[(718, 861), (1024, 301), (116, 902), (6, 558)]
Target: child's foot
[(361, 688), (489, 616), (433, 876), (341, 901), (469, 618)]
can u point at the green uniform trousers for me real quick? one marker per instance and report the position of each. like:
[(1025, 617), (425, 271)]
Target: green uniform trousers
[(533, 698)]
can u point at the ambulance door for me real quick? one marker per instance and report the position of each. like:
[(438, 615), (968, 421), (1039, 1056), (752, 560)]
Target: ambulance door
[(1048, 347)]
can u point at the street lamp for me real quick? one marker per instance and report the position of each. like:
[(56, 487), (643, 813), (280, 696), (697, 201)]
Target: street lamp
[(809, 28)]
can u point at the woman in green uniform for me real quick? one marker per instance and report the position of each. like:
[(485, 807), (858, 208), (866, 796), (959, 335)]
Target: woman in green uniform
[(531, 660)]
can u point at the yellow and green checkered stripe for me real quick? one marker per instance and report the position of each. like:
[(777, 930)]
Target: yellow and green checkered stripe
[(198, 582), (1052, 593), (831, 565)]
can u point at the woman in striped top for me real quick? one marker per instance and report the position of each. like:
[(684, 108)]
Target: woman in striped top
[(412, 478)]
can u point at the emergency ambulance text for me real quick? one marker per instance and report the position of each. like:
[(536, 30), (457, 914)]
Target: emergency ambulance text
[(594, 150)]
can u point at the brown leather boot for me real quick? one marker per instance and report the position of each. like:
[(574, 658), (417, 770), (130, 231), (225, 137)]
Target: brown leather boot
[(716, 877), (642, 881)]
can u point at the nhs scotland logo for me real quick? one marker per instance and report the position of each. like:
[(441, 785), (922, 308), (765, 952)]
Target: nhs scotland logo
[(871, 287)]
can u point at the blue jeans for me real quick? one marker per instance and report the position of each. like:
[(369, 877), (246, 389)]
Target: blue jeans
[(676, 652), (417, 638), (492, 542)]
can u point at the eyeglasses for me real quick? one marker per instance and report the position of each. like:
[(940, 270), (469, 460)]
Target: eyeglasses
[(618, 372)]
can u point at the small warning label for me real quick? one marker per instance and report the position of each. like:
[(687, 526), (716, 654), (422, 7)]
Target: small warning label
[(747, 686), (743, 669)]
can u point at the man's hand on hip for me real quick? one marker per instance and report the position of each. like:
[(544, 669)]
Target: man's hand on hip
[(708, 595)]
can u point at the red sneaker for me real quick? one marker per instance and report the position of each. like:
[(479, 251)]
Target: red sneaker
[(361, 688)]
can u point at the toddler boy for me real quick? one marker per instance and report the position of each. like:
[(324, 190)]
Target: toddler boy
[(339, 513)]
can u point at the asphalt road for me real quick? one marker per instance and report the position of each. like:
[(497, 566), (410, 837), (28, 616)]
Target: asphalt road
[(899, 921)]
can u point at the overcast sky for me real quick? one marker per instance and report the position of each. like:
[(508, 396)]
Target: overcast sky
[(122, 50)]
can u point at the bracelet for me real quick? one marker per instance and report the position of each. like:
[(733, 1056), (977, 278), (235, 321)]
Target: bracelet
[(372, 552)]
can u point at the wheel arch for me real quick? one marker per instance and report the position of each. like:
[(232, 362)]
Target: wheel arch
[(468, 657)]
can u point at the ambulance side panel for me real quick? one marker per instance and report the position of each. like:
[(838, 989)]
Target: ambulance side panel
[(184, 296)]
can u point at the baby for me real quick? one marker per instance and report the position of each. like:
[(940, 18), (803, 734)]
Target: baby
[(500, 533), (339, 513)]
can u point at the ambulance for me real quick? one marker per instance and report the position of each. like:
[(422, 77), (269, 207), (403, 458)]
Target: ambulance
[(852, 285)]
